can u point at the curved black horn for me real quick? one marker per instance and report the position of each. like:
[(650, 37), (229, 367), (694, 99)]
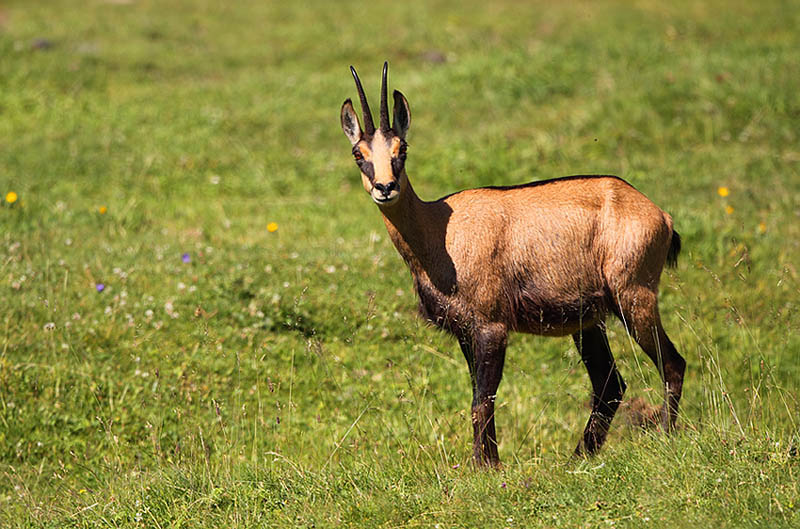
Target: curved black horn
[(369, 125), (384, 103)]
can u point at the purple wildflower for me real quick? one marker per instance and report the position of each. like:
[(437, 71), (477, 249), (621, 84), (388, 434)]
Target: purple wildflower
[(186, 258), (100, 287)]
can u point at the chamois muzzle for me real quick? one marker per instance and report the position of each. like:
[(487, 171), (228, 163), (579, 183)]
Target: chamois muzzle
[(385, 193)]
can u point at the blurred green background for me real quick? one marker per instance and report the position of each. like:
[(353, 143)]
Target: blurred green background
[(233, 375)]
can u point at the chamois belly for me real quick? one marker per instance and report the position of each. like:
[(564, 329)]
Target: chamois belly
[(551, 319), (521, 309), (552, 312)]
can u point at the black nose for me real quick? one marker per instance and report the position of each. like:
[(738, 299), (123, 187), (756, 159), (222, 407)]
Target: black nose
[(386, 189)]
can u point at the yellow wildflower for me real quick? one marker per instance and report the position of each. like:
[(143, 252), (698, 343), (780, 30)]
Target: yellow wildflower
[(11, 197), (102, 210), (728, 209), (723, 191), (272, 227), (762, 227)]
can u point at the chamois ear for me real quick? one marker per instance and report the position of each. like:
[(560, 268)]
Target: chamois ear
[(350, 124), (402, 115)]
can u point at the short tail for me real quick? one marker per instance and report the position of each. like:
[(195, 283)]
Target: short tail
[(674, 250)]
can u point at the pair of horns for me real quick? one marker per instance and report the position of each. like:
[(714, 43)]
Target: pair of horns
[(369, 125)]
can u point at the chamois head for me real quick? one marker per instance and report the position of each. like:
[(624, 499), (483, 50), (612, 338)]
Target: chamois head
[(380, 153)]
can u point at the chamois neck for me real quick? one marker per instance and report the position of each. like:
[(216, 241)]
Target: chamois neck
[(403, 215), (417, 229)]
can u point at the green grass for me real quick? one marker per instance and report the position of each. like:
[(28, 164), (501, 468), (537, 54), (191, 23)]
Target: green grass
[(283, 379)]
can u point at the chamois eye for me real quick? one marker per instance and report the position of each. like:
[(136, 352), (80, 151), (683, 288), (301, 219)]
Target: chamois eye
[(358, 156)]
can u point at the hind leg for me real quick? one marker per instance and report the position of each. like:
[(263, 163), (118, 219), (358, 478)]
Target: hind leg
[(607, 386), (639, 313)]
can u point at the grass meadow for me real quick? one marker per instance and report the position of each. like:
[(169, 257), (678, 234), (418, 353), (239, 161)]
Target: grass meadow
[(204, 324)]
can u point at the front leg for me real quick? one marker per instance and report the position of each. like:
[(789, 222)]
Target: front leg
[(485, 352)]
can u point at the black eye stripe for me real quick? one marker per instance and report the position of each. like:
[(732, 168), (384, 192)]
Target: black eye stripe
[(399, 162), (368, 169), (397, 165)]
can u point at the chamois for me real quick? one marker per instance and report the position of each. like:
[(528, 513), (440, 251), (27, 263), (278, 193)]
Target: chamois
[(552, 257)]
